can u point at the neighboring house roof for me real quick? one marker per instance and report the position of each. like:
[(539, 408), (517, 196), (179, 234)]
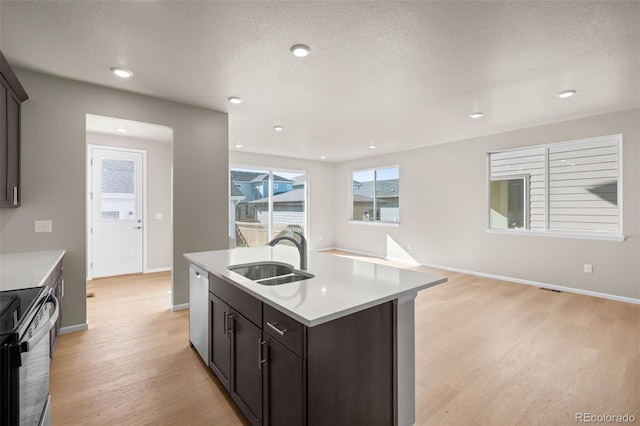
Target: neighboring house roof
[(359, 198), (235, 191), (118, 176), (293, 196), (384, 188), (260, 178), (239, 176)]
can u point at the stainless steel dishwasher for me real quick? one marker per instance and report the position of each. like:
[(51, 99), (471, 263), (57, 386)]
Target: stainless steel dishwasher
[(199, 311)]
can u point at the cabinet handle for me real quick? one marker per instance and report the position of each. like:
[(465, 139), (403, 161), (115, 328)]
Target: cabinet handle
[(261, 361), (15, 195), (225, 324), (230, 318), (197, 274), (276, 329)]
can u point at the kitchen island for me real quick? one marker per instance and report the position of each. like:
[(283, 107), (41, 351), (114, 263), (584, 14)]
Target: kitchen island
[(343, 340)]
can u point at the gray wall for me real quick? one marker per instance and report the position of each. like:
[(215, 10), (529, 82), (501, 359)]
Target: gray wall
[(53, 176), (444, 202), (319, 191), (159, 163)]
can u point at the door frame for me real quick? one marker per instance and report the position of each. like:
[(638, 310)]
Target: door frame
[(89, 204)]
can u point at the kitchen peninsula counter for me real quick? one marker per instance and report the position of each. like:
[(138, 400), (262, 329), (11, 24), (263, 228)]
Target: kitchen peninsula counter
[(350, 359), (340, 286)]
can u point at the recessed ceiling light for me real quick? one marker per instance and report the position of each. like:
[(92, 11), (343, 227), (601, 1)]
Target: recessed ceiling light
[(300, 50), (566, 94), (235, 100), (323, 157), (121, 72), (238, 145), (372, 146), (278, 128), (476, 115), (122, 130)]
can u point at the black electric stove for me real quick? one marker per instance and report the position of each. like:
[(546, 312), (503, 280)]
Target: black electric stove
[(15, 305), (26, 318)]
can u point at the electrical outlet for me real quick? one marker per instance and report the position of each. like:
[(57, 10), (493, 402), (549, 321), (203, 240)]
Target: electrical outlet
[(410, 246), (41, 226), (159, 216), (588, 268)]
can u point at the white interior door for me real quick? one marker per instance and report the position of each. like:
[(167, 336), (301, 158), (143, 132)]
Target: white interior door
[(116, 212)]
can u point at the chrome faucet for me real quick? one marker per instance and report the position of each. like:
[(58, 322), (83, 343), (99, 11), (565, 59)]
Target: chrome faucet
[(300, 245)]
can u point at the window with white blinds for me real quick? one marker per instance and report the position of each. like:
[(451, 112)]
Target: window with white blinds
[(569, 187)]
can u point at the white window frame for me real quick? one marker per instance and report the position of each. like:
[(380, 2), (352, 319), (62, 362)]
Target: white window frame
[(270, 170), (547, 232), (372, 222)]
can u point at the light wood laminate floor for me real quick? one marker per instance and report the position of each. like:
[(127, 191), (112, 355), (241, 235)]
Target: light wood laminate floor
[(488, 352)]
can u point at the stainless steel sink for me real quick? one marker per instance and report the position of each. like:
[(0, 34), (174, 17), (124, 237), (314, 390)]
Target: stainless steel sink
[(270, 273), (289, 278)]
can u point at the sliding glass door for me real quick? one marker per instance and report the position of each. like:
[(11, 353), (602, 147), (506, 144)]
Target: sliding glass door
[(265, 203)]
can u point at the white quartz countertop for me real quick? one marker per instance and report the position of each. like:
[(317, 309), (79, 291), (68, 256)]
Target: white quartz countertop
[(341, 286), (23, 270)]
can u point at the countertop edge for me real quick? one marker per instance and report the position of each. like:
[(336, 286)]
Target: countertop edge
[(62, 253), (320, 320)]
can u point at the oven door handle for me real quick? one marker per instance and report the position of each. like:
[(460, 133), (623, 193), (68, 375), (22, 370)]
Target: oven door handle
[(45, 329)]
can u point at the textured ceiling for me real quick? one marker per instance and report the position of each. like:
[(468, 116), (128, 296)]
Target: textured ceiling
[(400, 74)]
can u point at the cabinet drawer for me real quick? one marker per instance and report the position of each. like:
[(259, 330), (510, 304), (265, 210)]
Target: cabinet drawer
[(243, 303), (285, 330)]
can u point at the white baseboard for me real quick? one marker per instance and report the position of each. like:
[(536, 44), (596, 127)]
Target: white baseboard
[(180, 307), (541, 284), (514, 280), (151, 271), (74, 328)]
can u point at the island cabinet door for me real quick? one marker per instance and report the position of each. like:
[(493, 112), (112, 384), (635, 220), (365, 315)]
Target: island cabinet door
[(220, 340), (283, 386), (246, 367)]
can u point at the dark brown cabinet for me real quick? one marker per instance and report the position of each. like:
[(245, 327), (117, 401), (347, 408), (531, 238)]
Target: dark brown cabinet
[(12, 94), (219, 339), (280, 372), (246, 366), (236, 345), (283, 386)]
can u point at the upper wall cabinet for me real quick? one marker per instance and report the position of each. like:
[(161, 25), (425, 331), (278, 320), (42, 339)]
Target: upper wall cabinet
[(12, 94)]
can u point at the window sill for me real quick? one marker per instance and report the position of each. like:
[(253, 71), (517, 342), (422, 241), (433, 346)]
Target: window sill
[(372, 223), (559, 234)]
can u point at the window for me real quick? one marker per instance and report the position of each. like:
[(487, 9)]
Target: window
[(117, 196), (257, 215), (376, 195), (509, 202), (569, 188)]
